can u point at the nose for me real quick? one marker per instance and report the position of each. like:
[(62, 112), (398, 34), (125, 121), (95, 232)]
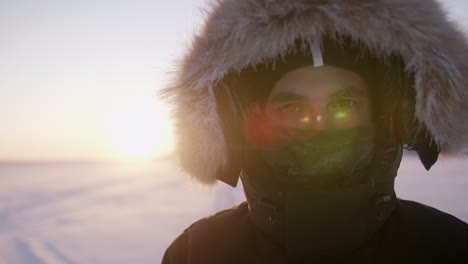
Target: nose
[(315, 120), (319, 120), (307, 126)]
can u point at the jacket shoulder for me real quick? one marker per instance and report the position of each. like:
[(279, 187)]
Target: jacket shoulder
[(428, 217), (225, 216), (208, 235), (419, 231)]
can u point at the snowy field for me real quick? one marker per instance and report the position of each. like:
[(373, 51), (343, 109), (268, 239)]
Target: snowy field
[(112, 213)]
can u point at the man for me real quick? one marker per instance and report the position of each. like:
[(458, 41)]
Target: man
[(310, 103)]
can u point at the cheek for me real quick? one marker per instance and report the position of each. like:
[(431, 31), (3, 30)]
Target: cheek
[(260, 131)]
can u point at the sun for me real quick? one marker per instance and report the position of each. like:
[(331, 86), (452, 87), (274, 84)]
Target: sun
[(140, 130)]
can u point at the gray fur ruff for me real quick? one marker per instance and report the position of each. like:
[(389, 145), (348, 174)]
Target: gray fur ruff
[(242, 33)]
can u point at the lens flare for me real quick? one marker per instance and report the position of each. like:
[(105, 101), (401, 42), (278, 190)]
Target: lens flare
[(272, 127), (261, 131), (341, 115)]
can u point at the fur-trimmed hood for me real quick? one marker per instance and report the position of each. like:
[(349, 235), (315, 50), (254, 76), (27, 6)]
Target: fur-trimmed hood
[(241, 33)]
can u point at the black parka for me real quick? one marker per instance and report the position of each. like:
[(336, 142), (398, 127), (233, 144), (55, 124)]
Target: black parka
[(414, 233), (242, 34)]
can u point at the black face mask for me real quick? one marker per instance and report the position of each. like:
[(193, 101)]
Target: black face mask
[(327, 159), (305, 195)]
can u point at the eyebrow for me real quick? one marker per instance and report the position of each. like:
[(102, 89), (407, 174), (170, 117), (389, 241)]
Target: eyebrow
[(286, 96), (350, 91)]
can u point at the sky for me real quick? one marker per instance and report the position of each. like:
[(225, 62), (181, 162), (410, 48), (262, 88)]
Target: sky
[(79, 79)]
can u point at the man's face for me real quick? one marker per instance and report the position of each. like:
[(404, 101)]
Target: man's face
[(324, 121), (324, 98)]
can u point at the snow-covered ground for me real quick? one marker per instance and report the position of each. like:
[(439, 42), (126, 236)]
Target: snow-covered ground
[(113, 213)]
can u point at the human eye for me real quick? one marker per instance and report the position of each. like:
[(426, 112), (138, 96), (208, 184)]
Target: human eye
[(344, 112), (293, 108)]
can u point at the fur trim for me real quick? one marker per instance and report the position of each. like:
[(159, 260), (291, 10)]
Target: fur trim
[(242, 33)]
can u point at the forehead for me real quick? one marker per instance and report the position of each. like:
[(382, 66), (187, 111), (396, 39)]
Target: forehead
[(319, 83)]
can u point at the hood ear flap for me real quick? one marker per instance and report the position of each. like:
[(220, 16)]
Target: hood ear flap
[(230, 114), (415, 136), (229, 175), (412, 133), (427, 149)]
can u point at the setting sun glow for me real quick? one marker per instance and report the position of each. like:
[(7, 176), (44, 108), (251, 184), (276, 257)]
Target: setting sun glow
[(139, 131)]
